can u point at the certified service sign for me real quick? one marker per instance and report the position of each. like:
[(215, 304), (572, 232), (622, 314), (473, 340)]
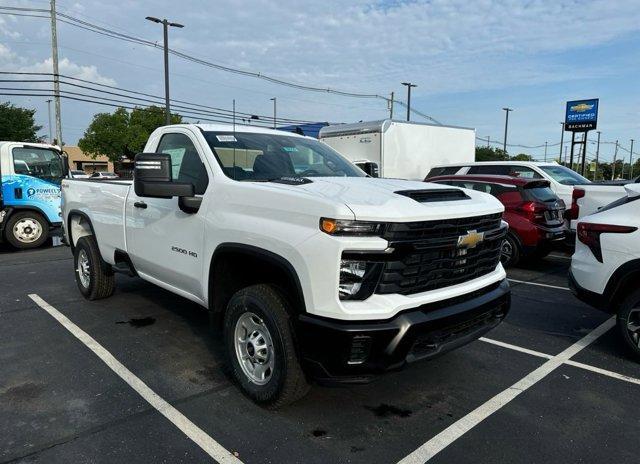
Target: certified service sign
[(582, 115)]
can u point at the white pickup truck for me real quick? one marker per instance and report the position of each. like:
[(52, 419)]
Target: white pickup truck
[(313, 269)]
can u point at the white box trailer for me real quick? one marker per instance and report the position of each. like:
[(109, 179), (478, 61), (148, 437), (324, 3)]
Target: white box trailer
[(400, 149)]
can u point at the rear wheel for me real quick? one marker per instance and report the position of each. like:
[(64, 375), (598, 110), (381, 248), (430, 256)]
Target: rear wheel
[(27, 229), (94, 277), (510, 252), (260, 347), (629, 322)]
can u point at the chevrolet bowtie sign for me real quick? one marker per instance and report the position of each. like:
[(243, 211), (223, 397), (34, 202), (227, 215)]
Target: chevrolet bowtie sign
[(471, 239)]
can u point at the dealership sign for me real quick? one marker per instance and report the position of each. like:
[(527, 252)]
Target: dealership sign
[(582, 115)]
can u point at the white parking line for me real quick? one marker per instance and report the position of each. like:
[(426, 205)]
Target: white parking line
[(436, 444), (538, 284), (196, 434), (584, 366)]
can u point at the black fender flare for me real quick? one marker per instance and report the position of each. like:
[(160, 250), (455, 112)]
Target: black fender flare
[(266, 255), (85, 216)]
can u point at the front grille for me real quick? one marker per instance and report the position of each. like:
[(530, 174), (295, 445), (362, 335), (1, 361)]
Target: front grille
[(427, 256)]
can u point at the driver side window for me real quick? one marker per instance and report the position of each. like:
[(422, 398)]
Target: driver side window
[(186, 165)]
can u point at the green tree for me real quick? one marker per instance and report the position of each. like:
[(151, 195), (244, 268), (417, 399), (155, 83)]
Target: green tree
[(17, 124), (522, 157), (122, 133), (490, 154)]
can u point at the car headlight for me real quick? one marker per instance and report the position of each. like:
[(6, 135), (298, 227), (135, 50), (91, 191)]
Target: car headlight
[(348, 227), (358, 279)]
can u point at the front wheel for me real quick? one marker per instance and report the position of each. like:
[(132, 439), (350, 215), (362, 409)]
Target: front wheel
[(510, 251), (629, 322), (260, 347), (27, 229)]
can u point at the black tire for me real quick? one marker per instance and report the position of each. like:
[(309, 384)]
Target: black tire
[(629, 316), (101, 281), (512, 256), (26, 229), (286, 381)]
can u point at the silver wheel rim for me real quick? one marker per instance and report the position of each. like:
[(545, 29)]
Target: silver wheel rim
[(83, 269), (254, 348), (506, 253), (633, 326), (27, 230)]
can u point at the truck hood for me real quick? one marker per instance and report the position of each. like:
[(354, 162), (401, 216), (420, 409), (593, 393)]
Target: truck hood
[(373, 199)]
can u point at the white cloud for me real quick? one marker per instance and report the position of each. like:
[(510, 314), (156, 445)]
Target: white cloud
[(69, 68)]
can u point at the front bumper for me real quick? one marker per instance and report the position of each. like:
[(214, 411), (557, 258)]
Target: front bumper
[(343, 351)]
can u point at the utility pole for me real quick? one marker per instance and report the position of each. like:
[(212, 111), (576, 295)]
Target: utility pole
[(488, 141), (613, 167), (165, 29), (565, 156), (595, 175), (561, 139), (274, 111), (545, 152), (56, 75), (631, 161), (506, 128), (391, 106), (49, 114), (409, 85)]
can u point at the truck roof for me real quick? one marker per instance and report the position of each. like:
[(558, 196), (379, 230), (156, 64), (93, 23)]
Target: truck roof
[(336, 130), (238, 128), (31, 144)]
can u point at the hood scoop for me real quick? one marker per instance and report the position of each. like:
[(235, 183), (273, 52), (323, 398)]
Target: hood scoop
[(430, 196)]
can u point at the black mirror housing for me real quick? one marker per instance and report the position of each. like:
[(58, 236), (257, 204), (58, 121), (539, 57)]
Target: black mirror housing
[(152, 177)]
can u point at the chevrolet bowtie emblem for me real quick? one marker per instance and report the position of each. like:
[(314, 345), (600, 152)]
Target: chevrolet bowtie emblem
[(471, 239)]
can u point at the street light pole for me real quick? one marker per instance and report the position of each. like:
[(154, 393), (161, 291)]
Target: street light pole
[(506, 128), (165, 29), (595, 174), (561, 141), (631, 161), (274, 111), (409, 85), (545, 152)]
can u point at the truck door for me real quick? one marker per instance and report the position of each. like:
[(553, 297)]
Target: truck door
[(163, 242)]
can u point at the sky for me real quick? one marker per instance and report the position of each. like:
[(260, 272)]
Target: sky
[(468, 59)]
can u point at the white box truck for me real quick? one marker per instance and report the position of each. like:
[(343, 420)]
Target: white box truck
[(400, 149)]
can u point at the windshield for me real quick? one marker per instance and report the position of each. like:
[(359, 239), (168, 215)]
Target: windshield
[(42, 163), (565, 175), (263, 157)]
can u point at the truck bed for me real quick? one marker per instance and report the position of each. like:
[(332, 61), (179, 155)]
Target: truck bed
[(104, 202)]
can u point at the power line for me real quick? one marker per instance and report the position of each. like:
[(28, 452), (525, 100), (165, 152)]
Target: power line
[(86, 25)]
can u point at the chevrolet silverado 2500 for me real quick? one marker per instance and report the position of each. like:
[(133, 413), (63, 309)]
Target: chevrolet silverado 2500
[(313, 269)]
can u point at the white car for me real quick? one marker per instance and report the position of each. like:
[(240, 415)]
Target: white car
[(314, 269), (78, 174), (605, 268), (581, 196), (104, 175)]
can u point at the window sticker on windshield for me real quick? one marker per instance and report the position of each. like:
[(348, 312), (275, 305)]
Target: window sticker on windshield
[(226, 138), (290, 149)]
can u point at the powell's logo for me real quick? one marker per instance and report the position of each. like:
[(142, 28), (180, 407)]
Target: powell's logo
[(471, 239)]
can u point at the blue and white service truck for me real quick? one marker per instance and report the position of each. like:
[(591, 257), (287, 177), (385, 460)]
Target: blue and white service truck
[(30, 175)]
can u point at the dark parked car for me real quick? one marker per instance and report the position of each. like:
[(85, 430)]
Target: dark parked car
[(534, 213)]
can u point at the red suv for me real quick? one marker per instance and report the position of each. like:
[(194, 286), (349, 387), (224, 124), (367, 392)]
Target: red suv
[(534, 213)]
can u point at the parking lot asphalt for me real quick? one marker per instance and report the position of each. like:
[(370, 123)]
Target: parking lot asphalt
[(60, 402)]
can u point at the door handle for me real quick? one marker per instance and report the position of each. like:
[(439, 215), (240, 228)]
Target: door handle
[(140, 204)]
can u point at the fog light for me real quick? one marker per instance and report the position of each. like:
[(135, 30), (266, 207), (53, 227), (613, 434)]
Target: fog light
[(351, 277), (360, 349)]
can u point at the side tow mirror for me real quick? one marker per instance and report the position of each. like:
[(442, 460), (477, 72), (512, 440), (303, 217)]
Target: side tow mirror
[(152, 177), (65, 165), (370, 168)]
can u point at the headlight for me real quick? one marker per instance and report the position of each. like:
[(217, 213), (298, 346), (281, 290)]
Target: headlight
[(347, 227), (357, 279)]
